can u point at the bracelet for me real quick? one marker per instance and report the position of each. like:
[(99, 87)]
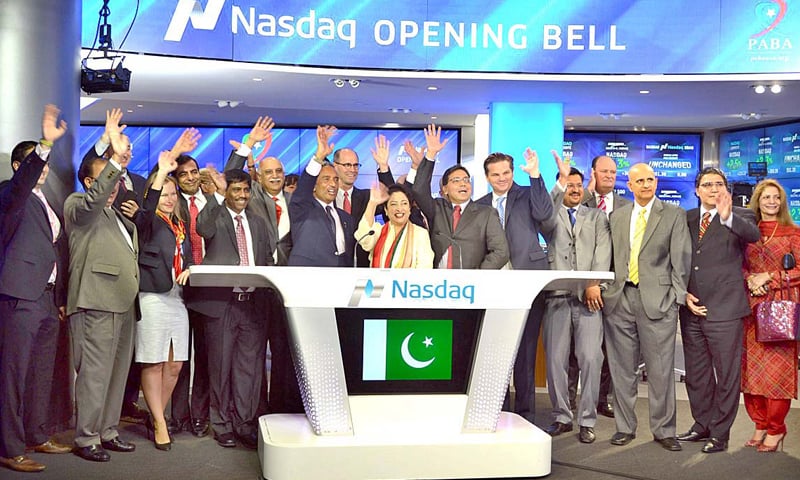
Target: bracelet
[(46, 143)]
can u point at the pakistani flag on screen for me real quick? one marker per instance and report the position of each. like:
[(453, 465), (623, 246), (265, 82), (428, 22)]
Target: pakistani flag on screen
[(408, 349)]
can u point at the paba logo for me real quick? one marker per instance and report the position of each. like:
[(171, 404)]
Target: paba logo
[(443, 290), (769, 15), (191, 11)]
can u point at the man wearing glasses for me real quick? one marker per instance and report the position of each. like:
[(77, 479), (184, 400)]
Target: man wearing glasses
[(349, 198), (651, 266), (464, 234)]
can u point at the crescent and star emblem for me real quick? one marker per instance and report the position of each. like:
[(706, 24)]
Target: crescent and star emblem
[(409, 359)]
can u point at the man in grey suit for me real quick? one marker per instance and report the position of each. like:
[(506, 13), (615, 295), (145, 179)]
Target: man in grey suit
[(103, 283), (523, 212), (651, 266), (464, 234), (579, 240), (716, 303)]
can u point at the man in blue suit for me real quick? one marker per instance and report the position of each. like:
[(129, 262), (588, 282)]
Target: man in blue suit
[(322, 235), (523, 211)]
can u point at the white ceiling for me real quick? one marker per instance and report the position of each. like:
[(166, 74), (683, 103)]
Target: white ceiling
[(168, 90)]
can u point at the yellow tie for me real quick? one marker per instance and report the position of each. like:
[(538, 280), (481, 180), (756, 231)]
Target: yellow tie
[(638, 233)]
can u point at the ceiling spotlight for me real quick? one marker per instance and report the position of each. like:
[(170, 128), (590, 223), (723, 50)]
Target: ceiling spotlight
[(757, 116), (338, 82), (222, 103), (258, 79), (354, 83), (776, 88), (644, 92), (433, 88), (604, 116), (234, 103), (759, 89)]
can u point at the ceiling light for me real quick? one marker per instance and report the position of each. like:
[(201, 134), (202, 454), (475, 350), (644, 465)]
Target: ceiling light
[(567, 119), (234, 103), (258, 79), (354, 82), (338, 82), (434, 117), (776, 88), (222, 103), (140, 105), (757, 116), (644, 92), (391, 125), (130, 111), (433, 88), (759, 89)]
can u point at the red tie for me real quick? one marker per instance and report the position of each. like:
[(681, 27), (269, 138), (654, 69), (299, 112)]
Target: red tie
[(346, 204), (704, 224), (197, 240), (602, 203), (278, 211), (241, 242), (456, 218)]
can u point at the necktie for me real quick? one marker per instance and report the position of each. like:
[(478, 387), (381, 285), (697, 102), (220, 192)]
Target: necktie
[(346, 203), (456, 218), (704, 224), (197, 240), (241, 242), (571, 212), (123, 187), (331, 220), (638, 234), (501, 210), (278, 211), (602, 203)]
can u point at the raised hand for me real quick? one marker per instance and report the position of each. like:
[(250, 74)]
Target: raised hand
[(531, 166), (206, 182), (378, 193), (261, 130), (724, 204), (563, 167), (415, 155), (167, 163), (186, 142), (113, 118), (381, 153), (433, 139), (324, 134), (52, 129), (218, 179), (591, 188), (113, 131)]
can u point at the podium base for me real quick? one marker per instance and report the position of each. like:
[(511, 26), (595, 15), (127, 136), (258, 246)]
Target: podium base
[(289, 450)]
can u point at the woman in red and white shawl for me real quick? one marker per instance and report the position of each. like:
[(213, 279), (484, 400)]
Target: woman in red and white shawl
[(399, 243)]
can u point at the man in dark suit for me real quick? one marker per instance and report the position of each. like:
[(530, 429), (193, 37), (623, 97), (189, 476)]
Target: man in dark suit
[(322, 234), (716, 303), (235, 319), (464, 234), (651, 268), (32, 300), (524, 211), (600, 194), (104, 281), (349, 198), (192, 413)]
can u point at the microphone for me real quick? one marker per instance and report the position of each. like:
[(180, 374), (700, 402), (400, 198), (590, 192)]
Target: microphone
[(358, 242), (368, 234)]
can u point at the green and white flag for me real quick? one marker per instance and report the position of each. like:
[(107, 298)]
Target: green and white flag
[(408, 349)]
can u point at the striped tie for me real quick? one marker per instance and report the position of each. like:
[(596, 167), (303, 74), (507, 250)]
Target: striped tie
[(704, 224), (638, 233)]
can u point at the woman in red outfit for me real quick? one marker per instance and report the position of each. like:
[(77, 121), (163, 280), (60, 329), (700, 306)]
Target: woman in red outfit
[(769, 370)]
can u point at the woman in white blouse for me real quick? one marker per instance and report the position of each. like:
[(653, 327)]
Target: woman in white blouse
[(399, 243)]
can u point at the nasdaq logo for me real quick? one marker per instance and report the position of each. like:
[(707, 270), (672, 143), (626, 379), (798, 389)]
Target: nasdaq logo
[(442, 291), (191, 11), (365, 288)]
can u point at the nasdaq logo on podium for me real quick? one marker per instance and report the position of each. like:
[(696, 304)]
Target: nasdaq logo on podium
[(408, 349)]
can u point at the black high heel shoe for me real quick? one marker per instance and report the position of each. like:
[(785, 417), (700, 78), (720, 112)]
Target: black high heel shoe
[(151, 435)]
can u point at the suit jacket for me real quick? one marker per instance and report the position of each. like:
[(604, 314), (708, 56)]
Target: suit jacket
[(313, 243), (103, 271), (358, 204), (263, 205), (716, 273), (215, 225), (586, 246), (478, 241), (183, 207), (527, 211), (157, 247), (29, 252), (664, 258), (138, 181)]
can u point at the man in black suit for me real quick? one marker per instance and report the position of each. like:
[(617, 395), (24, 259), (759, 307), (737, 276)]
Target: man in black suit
[(322, 234), (236, 323), (716, 303), (192, 413), (32, 300), (524, 212), (349, 198), (464, 234)]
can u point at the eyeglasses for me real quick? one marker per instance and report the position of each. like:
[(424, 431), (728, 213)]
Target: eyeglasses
[(574, 185), (349, 165), (458, 180), (713, 184)]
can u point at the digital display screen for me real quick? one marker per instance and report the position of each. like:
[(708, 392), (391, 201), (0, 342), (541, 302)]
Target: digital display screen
[(407, 351), (778, 147)]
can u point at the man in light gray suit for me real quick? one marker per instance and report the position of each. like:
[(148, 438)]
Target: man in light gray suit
[(651, 266), (579, 239), (103, 283)]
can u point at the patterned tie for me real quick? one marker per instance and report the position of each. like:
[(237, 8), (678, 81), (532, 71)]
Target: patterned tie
[(241, 242), (571, 212), (123, 186), (278, 211), (501, 210), (346, 203), (638, 234), (197, 240), (602, 203), (456, 218), (704, 224)]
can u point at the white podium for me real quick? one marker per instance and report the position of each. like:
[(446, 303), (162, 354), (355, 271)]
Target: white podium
[(425, 429)]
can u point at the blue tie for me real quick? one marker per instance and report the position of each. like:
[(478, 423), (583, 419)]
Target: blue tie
[(501, 210), (571, 212)]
